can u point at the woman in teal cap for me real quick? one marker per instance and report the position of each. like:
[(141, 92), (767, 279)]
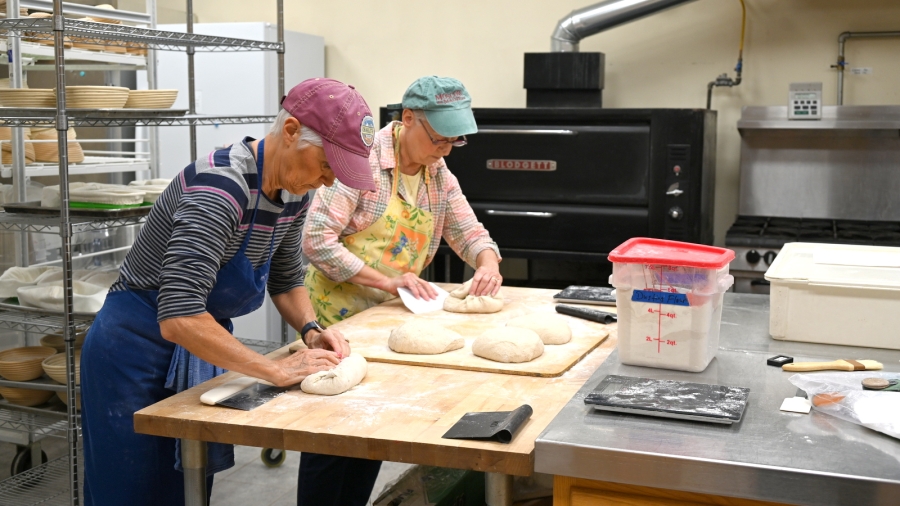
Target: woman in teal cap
[(363, 246)]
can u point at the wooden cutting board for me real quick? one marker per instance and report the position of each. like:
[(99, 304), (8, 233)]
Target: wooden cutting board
[(368, 334)]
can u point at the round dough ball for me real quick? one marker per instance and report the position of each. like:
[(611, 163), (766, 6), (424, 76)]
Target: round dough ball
[(424, 338), (471, 304), (508, 344), (552, 329), (343, 377)]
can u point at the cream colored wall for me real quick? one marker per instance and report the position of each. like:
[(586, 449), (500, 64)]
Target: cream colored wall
[(665, 60)]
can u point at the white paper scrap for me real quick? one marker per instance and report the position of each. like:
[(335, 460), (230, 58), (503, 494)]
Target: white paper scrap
[(796, 405), (419, 306)]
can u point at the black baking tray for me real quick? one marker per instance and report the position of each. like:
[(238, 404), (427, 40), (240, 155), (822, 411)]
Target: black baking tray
[(35, 208)]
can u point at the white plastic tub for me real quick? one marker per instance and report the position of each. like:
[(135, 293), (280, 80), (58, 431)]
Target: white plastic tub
[(835, 294), (669, 299)]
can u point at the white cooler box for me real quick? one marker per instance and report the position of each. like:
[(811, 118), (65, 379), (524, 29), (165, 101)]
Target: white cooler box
[(669, 301), (836, 294)]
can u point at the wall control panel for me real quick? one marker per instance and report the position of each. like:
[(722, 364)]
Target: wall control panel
[(805, 101)]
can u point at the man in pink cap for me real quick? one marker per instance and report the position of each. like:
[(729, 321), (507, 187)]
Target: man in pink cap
[(225, 230)]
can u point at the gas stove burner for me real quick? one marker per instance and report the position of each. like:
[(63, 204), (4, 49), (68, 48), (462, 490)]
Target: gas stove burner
[(893, 228), (784, 222), (780, 231), (817, 225), (746, 229), (816, 235), (851, 226), (879, 237)]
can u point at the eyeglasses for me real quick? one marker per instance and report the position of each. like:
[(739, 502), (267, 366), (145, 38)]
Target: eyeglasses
[(458, 143)]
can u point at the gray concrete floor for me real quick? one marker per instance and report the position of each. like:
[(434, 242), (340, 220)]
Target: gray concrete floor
[(248, 482), (251, 482)]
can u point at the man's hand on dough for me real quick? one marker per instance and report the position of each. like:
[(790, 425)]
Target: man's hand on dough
[(331, 339), (296, 367)]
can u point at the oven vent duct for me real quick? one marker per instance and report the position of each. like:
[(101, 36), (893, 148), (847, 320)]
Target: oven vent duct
[(566, 77), (602, 16)]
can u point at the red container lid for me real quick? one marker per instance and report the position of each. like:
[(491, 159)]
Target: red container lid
[(643, 250)]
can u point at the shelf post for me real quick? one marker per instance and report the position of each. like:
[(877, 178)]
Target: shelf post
[(280, 8), (192, 100), (152, 131), (65, 232), (17, 139)]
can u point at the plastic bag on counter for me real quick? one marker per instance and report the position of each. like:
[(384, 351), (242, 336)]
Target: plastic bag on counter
[(841, 394)]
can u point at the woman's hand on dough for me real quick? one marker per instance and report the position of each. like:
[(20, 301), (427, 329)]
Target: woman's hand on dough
[(331, 340), (486, 281), (296, 367), (420, 288)]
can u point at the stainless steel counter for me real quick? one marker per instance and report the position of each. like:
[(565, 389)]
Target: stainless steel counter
[(812, 459)]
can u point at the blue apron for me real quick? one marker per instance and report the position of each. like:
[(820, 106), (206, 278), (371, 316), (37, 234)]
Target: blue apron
[(126, 365)]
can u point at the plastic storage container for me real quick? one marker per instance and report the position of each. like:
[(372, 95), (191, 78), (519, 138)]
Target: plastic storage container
[(669, 300), (835, 294)]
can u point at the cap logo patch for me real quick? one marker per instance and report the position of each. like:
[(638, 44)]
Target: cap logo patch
[(449, 98), (367, 130)]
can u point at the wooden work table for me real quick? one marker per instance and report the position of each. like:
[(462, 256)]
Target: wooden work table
[(398, 413)]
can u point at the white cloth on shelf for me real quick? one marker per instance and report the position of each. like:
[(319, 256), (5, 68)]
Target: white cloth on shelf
[(86, 297), (17, 277)]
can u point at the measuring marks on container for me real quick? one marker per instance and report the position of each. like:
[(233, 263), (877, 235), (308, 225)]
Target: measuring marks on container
[(661, 294)]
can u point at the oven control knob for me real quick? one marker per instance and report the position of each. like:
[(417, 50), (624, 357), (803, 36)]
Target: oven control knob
[(769, 257), (676, 213), (753, 256)]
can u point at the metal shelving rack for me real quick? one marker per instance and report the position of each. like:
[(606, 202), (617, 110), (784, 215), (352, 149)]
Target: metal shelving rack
[(57, 481)]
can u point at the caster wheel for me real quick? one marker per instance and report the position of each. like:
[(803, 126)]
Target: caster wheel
[(22, 462), (272, 457)]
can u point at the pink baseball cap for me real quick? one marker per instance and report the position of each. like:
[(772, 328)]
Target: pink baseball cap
[(338, 113)]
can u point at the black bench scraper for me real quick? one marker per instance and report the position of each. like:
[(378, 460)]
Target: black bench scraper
[(498, 426)]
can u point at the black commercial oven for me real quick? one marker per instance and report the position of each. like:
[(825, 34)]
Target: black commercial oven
[(569, 184)]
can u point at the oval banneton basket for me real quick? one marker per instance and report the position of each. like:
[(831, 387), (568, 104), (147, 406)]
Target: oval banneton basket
[(55, 367), (96, 97), (6, 135), (151, 99), (27, 97), (25, 396), (58, 343), (49, 151), (23, 364)]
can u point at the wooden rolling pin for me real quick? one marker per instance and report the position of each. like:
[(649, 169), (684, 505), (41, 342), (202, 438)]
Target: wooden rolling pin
[(837, 365)]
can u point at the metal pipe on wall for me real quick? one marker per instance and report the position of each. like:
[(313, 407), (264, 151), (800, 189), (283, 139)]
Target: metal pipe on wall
[(841, 63), (602, 16)]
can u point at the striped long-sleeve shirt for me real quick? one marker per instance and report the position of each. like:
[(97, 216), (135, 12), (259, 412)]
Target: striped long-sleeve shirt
[(339, 211), (199, 223)]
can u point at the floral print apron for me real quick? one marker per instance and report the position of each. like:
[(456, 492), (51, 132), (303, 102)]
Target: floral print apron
[(395, 244)]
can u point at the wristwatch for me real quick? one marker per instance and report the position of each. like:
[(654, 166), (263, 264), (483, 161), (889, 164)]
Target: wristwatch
[(310, 326)]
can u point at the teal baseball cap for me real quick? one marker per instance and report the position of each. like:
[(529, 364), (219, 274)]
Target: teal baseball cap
[(447, 105)]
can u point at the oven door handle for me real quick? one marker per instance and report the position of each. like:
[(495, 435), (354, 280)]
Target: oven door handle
[(525, 214), (527, 131)]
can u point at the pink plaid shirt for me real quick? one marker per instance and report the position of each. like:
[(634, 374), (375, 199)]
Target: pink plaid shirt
[(340, 211)]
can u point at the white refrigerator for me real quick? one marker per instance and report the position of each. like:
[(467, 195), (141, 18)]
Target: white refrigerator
[(233, 83)]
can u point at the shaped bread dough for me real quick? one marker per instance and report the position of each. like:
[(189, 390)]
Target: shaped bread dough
[(424, 338), (460, 301), (345, 376), (550, 328), (508, 344)]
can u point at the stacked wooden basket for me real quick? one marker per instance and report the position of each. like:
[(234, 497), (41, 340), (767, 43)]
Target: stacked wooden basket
[(24, 364)]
